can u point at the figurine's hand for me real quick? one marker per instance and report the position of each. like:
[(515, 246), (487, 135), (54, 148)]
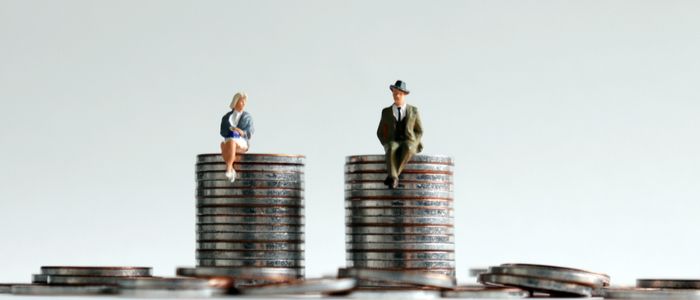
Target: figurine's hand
[(239, 131)]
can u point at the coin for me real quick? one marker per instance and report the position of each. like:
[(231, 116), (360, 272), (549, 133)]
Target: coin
[(307, 286), (61, 290), (420, 278), (251, 175), (211, 167), (85, 280), (273, 263), (6, 288), (399, 238), (249, 236), (96, 271), (536, 284), (418, 158), (473, 272), (212, 201), (669, 283), (402, 185), (242, 210), (401, 256), (405, 264), (429, 230), (256, 246), (404, 177), (397, 194), (164, 283), (399, 212), (384, 293), (482, 292), (553, 273), (40, 278), (245, 193), (254, 158), (251, 228), (229, 219), (400, 246), (252, 184), (651, 294), (361, 220), (264, 255), (396, 203), (381, 167), (271, 274)]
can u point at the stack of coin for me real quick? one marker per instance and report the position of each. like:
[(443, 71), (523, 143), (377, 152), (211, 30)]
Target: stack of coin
[(657, 289), (79, 280), (256, 221), (409, 228), (555, 281)]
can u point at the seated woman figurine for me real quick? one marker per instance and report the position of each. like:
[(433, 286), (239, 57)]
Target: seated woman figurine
[(236, 129)]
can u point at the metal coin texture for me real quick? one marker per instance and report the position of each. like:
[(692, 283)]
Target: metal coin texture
[(481, 292), (249, 236), (426, 230), (402, 185), (407, 264), (307, 286), (61, 290), (383, 293), (651, 294), (250, 175), (362, 220), (536, 284), (241, 210), (399, 238), (554, 273), (242, 193), (251, 228), (272, 274), (352, 247), (253, 246), (85, 280), (96, 271), (418, 158), (264, 255), (273, 263), (404, 177), (401, 256), (266, 201), (177, 283), (409, 168), (397, 203), (228, 219), (406, 277), (254, 158), (213, 167), (252, 184), (669, 283), (399, 212), (397, 194)]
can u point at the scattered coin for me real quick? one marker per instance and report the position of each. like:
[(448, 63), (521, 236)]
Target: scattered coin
[(651, 294), (536, 284), (482, 292), (669, 283), (96, 271), (308, 286), (61, 290), (420, 278)]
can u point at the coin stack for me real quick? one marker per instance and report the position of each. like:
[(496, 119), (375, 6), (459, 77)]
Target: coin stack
[(79, 280), (552, 280), (256, 222), (409, 228)]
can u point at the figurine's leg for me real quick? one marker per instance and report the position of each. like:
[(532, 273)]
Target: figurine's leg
[(403, 154), (229, 150), (391, 168)]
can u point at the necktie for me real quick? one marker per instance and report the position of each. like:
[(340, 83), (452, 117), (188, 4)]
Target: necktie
[(398, 109)]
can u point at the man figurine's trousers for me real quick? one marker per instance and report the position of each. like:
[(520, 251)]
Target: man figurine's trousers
[(397, 156)]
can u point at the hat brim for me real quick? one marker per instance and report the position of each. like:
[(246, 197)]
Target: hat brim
[(398, 88)]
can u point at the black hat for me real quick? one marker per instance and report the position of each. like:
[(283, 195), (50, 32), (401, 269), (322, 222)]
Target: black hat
[(399, 85)]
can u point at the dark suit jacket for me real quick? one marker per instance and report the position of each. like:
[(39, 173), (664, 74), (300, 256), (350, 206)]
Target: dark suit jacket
[(414, 129), (245, 124)]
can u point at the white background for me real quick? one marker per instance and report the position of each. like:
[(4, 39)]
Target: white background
[(573, 123)]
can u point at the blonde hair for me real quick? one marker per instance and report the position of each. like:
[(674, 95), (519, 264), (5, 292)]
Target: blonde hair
[(237, 97)]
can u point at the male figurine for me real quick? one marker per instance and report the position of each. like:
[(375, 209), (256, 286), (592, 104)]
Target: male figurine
[(400, 132)]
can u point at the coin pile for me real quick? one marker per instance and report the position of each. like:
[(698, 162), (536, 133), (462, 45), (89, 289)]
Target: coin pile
[(555, 281), (75, 280), (653, 289), (256, 222), (407, 229)]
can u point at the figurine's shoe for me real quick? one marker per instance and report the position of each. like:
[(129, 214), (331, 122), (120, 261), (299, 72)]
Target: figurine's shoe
[(233, 176), (394, 183), (388, 181)]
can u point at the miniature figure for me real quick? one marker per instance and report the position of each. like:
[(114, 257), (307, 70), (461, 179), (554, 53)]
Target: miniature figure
[(400, 133), (236, 129)]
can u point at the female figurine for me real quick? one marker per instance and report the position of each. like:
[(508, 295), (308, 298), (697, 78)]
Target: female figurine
[(236, 129)]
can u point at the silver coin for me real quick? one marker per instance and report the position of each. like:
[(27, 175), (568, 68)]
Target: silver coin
[(360, 220), (274, 263), (401, 256), (228, 219), (277, 176), (6, 288), (418, 203), (420, 278), (252, 184), (83, 280), (430, 230), (394, 294), (553, 273), (169, 294), (40, 278), (651, 294), (404, 177), (482, 292), (282, 193), (399, 238), (399, 212), (402, 185), (473, 272), (211, 167), (397, 194), (254, 158), (213, 201), (239, 273), (251, 228), (418, 158), (96, 271), (260, 246), (61, 290), (176, 283), (307, 286), (249, 236), (669, 283), (381, 167), (401, 246), (536, 284), (343, 272), (406, 264), (242, 210), (264, 255)]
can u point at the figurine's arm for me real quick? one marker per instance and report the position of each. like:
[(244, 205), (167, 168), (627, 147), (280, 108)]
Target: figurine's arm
[(418, 127), (224, 127), (382, 130)]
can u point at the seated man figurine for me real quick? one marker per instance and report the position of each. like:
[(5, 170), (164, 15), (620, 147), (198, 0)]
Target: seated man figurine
[(400, 133)]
